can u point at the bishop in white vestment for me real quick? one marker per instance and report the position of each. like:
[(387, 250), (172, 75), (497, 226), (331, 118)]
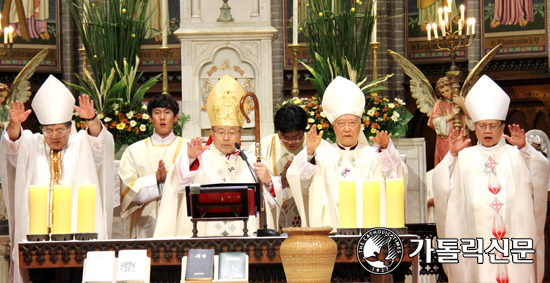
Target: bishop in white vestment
[(351, 158), (492, 191), (55, 157), (144, 165), (217, 163)]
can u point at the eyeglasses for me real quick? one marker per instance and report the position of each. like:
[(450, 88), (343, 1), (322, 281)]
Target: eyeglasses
[(222, 133), (491, 127), (293, 141), (58, 133)]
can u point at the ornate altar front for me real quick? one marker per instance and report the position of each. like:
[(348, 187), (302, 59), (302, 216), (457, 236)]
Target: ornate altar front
[(62, 261)]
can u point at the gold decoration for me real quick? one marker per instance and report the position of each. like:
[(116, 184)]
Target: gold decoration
[(225, 65), (223, 103)]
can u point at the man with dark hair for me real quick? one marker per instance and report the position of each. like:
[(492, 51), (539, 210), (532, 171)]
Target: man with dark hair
[(143, 167), (279, 150)]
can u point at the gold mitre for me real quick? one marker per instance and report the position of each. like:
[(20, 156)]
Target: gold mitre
[(223, 103)]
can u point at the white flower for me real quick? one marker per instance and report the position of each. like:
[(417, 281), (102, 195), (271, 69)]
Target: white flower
[(323, 114), (308, 126), (379, 119), (367, 117), (142, 128), (130, 114), (311, 120), (144, 107), (362, 127), (145, 117), (108, 119), (115, 107), (371, 112), (116, 112), (284, 102), (75, 114), (393, 118), (133, 123), (311, 113), (399, 101), (100, 116), (395, 114), (391, 105)]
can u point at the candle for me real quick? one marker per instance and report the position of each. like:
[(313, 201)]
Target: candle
[(371, 203), (460, 26), (61, 210), (6, 31), (38, 210), (473, 26), (375, 22), (164, 22), (468, 26), (395, 203), (462, 12), (295, 22), (440, 14), (429, 29), (446, 11), (86, 209), (11, 34), (434, 26), (347, 204), (442, 24), (449, 2)]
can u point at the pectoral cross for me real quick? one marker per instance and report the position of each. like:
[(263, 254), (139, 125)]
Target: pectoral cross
[(231, 169)]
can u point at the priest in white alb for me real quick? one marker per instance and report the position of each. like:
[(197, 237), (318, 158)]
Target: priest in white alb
[(493, 191), (144, 166), (55, 157), (218, 162), (350, 158)]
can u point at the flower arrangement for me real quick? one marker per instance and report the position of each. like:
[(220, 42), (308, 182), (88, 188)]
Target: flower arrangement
[(379, 115)]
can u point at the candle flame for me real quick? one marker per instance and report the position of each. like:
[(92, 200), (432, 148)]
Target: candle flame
[(394, 175)]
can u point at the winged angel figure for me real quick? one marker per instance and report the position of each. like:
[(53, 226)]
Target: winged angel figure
[(445, 108)]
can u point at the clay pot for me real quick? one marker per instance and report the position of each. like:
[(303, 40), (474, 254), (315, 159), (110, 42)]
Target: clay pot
[(308, 254)]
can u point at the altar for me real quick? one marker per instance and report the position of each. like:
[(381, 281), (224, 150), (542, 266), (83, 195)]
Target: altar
[(62, 261)]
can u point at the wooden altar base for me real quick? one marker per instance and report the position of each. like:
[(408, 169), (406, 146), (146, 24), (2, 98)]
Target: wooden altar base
[(62, 261)]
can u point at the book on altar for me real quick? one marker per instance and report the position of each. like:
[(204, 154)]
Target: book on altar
[(99, 267), (200, 265), (133, 266), (233, 267)]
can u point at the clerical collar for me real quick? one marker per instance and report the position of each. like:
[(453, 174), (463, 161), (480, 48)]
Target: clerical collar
[(347, 147), (158, 140)]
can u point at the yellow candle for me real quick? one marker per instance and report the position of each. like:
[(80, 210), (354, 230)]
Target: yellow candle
[(371, 203), (86, 209), (346, 207), (395, 203), (38, 210), (61, 210)]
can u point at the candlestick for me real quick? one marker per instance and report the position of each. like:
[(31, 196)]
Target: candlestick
[(295, 21), (38, 210), (347, 204), (460, 26), (61, 210), (434, 26), (6, 31), (371, 203), (429, 30), (164, 51), (86, 209), (473, 26), (295, 90), (462, 12), (395, 203), (164, 22)]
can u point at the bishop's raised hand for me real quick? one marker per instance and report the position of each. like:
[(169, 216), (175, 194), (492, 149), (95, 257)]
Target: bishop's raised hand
[(457, 141), (382, 138), (195, 148), (313, 140), (516, 137), (17, 113)]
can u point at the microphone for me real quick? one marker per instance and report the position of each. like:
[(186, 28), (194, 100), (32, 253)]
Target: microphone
[(265, 232)]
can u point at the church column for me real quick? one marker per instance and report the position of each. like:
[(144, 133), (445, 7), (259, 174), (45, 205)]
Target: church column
[(278, 46), (196, 9), (255, 9), (68, 49), (474, 51)]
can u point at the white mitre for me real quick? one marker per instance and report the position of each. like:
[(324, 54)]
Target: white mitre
[(53, 103), (487, 101), (342, 97)]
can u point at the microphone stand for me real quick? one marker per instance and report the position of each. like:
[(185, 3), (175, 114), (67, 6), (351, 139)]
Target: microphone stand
[(265, 232)]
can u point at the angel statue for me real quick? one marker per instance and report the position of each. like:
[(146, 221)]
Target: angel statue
[(4, 116), (445, 105)]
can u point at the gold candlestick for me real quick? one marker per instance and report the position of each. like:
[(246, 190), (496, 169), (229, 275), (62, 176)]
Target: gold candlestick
[(7, 51), (374, 46), (295, 91), (165, 51)]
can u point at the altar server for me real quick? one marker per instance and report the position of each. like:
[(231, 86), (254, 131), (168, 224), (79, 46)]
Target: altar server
[(144, 166), (217, 163), (350, 158), (494, 192), (55, 157)]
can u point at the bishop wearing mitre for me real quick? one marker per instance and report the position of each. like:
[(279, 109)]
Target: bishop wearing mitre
[(350, 158), (55, 156), (217, 162)]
